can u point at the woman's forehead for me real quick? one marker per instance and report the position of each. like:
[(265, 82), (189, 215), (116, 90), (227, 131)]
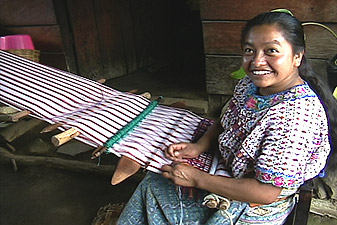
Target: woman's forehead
[(265, 34)]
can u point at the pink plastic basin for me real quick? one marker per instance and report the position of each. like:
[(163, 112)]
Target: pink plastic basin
[(19, 41)]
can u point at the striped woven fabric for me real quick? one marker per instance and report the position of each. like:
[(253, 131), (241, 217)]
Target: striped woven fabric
[(97, 111)]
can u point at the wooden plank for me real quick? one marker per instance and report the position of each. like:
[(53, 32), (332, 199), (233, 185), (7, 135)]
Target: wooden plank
[(127, 31), (62, 17), (45, 38), (218, 74), (320, 42), (22, 12), (222, 37), (82, 19), (306, 10), (110, 37), (216, 104)]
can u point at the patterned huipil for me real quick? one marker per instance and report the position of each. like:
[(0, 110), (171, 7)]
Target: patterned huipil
[(280, 139)]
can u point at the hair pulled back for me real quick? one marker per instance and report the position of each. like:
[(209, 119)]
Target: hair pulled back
[(292, 31)]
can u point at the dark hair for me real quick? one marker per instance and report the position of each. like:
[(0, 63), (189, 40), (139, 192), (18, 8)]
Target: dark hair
[(293, 32)]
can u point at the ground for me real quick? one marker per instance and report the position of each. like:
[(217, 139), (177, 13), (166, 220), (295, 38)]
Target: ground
[(49, 196)]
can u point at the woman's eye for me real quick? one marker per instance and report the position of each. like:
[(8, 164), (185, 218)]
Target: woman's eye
[(272, 50), (248, 50)]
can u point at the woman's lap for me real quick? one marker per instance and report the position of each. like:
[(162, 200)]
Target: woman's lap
[(157, 201)]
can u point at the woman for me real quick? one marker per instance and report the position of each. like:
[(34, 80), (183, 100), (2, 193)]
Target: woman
[(273, 136)]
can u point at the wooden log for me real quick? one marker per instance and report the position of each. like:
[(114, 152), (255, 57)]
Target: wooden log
[(71, 165), (126, 167), (65, 136)]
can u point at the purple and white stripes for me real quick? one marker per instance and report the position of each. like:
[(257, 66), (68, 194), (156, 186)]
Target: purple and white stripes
[(96, 110)]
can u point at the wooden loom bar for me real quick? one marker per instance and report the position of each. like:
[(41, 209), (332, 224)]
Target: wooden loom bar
[(65, 136)]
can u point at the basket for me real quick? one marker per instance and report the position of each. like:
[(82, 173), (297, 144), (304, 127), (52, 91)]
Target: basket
[(26, 53)]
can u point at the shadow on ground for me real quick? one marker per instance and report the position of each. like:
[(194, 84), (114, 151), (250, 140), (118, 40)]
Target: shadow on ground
[(50, 196)]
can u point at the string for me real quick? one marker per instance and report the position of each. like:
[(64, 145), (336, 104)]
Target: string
[(181, 205)]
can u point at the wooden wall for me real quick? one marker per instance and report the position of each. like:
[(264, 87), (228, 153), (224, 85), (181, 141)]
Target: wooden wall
[(222, 21), (99, 39), (36, 18)]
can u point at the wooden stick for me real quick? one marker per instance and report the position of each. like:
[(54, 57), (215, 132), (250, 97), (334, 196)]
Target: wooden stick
[(65, 136), (18, 115), (14, 117), (146, 95), (99, 151), (67, 164), (51, 128), (101, 81), (126, 167)]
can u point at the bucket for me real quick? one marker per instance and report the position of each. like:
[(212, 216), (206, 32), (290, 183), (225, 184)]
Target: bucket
[(19, 41)]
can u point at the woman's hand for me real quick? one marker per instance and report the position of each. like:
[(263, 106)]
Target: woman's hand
[(179, 152), (182, 174)]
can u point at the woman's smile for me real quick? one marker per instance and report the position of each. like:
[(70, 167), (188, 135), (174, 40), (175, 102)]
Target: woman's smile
[(269, 61)]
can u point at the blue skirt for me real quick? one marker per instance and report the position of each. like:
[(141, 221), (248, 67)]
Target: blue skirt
[(157, 201)]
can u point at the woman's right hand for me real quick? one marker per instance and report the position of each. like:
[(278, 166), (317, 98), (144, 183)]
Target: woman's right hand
[(179, 152)]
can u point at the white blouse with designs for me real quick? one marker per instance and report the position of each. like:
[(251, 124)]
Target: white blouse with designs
[(280, 139)]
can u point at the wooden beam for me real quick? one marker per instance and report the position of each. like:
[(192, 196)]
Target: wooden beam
[(62, 17), (309, 10)]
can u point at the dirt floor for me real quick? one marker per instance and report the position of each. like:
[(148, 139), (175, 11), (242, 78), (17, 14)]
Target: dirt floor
[(48, 196)]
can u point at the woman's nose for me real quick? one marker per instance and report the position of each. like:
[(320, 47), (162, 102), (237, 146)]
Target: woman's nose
[(259, 60)]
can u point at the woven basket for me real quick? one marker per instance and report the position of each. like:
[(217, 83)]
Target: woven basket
[(26, 53), (108, 215)]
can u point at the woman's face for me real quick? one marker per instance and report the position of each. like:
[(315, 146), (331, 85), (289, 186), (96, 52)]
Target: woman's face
[(269, 61)]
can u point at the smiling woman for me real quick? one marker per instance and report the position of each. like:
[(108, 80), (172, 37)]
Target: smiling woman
[(273, 136), (269, 60)]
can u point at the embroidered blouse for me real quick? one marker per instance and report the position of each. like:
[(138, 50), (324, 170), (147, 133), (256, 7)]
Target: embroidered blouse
[(281, 139)]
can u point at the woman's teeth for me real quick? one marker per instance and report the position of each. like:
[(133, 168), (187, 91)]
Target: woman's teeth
[(255, 72)]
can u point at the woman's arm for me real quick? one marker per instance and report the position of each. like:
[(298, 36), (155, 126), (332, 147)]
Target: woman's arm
[(243, 189)]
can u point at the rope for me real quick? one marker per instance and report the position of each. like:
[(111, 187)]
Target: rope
[(216, 201)]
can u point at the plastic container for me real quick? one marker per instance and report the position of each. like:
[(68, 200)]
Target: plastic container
[(19, 41)]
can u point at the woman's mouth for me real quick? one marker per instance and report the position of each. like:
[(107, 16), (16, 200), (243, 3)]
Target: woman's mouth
[(261, 72)]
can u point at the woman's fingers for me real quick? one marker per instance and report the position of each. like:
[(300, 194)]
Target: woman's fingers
[(173, 152)]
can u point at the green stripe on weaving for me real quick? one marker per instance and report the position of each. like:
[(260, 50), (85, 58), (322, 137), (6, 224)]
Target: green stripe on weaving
[(131, 125)]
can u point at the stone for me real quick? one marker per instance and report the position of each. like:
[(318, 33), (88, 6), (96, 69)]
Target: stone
[(39, 146)]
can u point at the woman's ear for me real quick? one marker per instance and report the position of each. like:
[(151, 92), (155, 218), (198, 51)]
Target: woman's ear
[(298, 58)]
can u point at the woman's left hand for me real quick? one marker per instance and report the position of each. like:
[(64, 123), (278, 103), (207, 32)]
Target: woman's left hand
[(182, 174)]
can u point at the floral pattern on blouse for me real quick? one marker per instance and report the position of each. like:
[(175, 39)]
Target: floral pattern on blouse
[(257, 102), (280, 139)]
